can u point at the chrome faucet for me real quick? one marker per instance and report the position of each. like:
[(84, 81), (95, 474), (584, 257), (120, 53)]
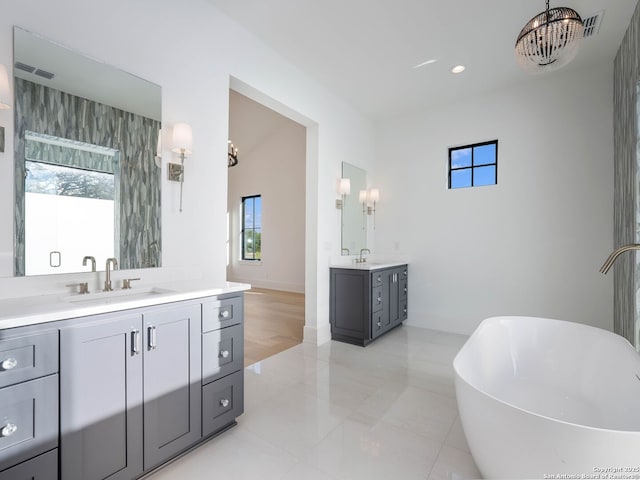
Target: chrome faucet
[(612, 258), (93, 262), (107, 279), (362, 260)]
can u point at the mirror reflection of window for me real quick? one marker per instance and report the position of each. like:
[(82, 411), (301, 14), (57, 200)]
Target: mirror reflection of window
[(70, 202)]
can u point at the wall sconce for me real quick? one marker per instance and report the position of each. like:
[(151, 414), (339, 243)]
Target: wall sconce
[(368, 199), (158, 156), (232, 155), (343, 188), (5, 103), (182, 144)]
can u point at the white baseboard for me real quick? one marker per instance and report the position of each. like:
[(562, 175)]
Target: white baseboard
[(316, 335)]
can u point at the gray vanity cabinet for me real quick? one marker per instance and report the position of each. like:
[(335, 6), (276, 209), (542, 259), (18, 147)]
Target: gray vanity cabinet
[(101, 399), (130, 392), (365, 304)]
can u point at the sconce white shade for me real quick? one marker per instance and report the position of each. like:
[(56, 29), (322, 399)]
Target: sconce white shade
[(362, 196), (5, 103), (374, 195), (344, 186), (182, 139)]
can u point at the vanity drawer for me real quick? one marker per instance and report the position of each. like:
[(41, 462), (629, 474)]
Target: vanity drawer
[(221, 313), (376, 279), (376, 299), (222, 352), (28, 420), (43, 467), (28, 357), (222, 402)]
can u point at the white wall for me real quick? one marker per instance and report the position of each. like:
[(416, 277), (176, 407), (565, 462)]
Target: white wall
[(273, 167), (191, 50), (533, 244)]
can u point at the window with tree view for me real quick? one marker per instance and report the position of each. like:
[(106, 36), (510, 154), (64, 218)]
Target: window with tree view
[(252, 227), (473, 165)]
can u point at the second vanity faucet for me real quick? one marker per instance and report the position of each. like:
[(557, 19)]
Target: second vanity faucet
[(361, 259), (107, 280)]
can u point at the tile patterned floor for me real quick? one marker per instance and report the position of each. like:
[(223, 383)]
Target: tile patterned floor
[(341, 412)]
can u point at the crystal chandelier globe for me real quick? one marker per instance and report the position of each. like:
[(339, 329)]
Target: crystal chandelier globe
[(549, 40)]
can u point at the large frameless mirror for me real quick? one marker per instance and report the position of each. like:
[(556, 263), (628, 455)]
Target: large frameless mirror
[(87, 180)]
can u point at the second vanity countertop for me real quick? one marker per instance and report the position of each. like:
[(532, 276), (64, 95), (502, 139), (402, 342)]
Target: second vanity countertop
[(19, 312), (375, 265)]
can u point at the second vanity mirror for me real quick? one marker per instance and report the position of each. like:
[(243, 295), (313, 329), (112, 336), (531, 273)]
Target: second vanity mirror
[(354, 226), (87, 180)]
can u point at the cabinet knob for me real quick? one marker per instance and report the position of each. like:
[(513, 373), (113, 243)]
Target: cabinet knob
[(224, 403), (9, 364), (405, 273), (379, 324), (405, 310), (379, 299), (224, 313), (224, 353), (8, 430), (405, 289)]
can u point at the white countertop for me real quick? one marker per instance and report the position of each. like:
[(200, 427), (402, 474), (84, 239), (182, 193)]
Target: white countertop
[(367, 265), (18, 312)]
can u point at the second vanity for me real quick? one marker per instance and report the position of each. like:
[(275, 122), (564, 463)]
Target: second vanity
[(367, 300), (96, 387)]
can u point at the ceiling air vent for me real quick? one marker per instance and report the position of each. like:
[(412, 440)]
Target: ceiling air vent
[(592, 24), (24, 67), (36, 71), (44, 74)]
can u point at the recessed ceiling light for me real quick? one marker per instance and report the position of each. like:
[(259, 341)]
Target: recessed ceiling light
[(428, 62), (458, 69)]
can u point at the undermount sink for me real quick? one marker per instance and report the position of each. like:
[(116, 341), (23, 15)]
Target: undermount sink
[(116, 295)]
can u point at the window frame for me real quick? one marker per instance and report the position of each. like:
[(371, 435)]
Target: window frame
[(253, 228), (472, 167)]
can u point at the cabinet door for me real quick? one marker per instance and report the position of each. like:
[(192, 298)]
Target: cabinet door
[(101, 400), (172, 382)]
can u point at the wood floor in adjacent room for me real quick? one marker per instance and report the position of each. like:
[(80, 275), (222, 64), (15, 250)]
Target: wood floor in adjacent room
[(273, 322)]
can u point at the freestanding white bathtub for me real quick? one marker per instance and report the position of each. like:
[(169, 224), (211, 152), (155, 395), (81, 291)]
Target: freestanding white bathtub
[(541, 398)]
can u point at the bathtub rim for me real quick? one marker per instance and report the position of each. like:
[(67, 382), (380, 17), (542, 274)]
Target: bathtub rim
[(490, 320)]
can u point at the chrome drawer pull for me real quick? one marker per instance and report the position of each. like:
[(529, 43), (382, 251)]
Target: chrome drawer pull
[(224, 403), (224, 314), (9, 364), (152, 337), (8, 430), (224, 353), (135, 342)]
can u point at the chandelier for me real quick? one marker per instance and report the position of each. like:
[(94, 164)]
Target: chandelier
[(549, 40), (233, 155)]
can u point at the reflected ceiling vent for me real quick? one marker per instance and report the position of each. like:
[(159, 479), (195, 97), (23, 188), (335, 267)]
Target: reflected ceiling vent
[(24, 67), (36, 71), (592, 24)]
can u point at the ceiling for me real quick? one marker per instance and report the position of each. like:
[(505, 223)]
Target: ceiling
[(365, 50)]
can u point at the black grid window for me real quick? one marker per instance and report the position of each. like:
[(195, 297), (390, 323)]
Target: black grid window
[(252, 228), (473, 165)]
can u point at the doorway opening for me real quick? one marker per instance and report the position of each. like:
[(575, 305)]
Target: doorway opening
[(266, 205)]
